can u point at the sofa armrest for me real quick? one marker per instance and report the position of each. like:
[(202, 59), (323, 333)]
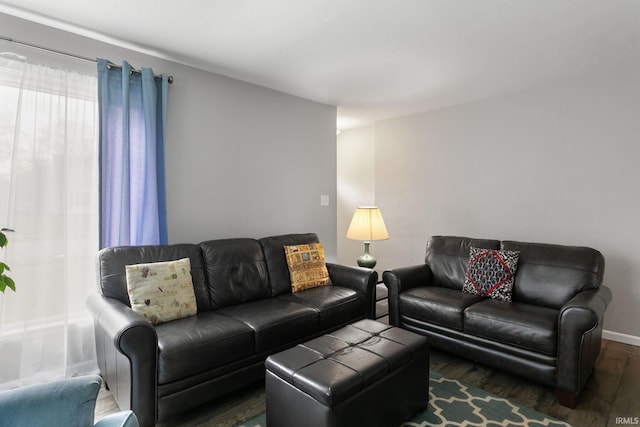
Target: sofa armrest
[(401, 279), (362, 280), (580, 325), (127, 351)]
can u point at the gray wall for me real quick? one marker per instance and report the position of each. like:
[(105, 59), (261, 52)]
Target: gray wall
[(242, 160), (248, 161), (356, 186), (555, 164)]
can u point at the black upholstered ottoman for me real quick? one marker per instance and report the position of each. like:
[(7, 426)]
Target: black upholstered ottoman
[(365, 374)]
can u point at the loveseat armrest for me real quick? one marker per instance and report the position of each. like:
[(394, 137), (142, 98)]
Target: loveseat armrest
[(127, 351), (362, 280), (580, 324), (401, 279)]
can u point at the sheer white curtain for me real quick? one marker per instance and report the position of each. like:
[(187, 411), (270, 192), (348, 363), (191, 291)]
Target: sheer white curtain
[(49, 196)]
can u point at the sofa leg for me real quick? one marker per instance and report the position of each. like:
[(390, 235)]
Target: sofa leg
[(566, 398)]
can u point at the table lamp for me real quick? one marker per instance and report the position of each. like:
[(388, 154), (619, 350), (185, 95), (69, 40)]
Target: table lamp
[(367, 225)]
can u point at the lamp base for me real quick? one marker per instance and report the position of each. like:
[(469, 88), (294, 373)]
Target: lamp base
[(366, 259)]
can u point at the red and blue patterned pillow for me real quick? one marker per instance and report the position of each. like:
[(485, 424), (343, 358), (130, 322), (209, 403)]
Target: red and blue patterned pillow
[(490, 273)]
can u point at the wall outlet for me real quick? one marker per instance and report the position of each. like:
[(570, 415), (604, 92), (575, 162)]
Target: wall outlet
[(324, 200)]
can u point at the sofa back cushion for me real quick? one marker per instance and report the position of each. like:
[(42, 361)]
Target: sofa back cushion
[(550, 275), (447, 256), (112, 273), (236, 271), (276, 259)]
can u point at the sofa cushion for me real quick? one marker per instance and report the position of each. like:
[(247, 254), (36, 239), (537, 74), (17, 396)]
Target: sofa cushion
[(550, 275), (307, 267), (335, 305), (275, 321), (161, 291), (442, 306), (273, 248), (490, 273), (113, 261), (236, 271), (200, 343), (523, 325), (448, 257)]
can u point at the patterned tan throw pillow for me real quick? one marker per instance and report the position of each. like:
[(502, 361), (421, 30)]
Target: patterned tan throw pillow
[(161, 291), (306, 266)]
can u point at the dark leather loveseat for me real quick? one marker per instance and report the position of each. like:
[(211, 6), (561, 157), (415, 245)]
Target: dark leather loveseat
[(246, 311), (551, 330)]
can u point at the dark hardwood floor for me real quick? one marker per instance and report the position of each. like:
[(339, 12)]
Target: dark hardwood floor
[(613, 390), (611, 397)]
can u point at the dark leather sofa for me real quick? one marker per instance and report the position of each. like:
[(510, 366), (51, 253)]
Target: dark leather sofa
[(550, 332), (246, 311)]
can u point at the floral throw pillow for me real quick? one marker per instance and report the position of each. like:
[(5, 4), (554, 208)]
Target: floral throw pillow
[(307, 267), (161, 291), (490, 273)]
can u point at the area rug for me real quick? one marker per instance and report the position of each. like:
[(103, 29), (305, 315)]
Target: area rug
[(453, 404)]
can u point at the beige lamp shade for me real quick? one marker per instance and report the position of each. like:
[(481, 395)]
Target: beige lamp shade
[(367, 225)]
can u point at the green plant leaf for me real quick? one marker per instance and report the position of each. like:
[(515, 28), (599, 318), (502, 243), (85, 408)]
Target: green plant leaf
[(6, 282), (3, 237)]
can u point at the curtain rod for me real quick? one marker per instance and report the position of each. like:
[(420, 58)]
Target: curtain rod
[(73, 55)]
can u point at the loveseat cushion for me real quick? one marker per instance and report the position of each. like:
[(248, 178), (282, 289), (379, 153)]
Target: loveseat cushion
[(335, 305), (236, 271), (200, 343), (448, 257), (275, 258), (550, 275), (274, 321), (523, 325), (442, 306)]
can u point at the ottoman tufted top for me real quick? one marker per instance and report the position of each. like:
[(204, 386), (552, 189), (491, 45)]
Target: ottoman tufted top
[(333, 367)]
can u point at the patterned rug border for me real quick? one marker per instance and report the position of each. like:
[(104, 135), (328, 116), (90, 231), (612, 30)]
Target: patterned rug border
[(480, 409)]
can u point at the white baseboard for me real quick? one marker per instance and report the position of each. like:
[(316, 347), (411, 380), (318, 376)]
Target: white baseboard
[(623, 338)]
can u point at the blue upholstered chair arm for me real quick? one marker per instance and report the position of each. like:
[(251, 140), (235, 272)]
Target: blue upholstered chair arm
[(120, 419), (69, 403)]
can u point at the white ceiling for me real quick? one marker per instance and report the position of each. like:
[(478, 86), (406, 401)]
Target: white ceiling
[(374, 59)]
